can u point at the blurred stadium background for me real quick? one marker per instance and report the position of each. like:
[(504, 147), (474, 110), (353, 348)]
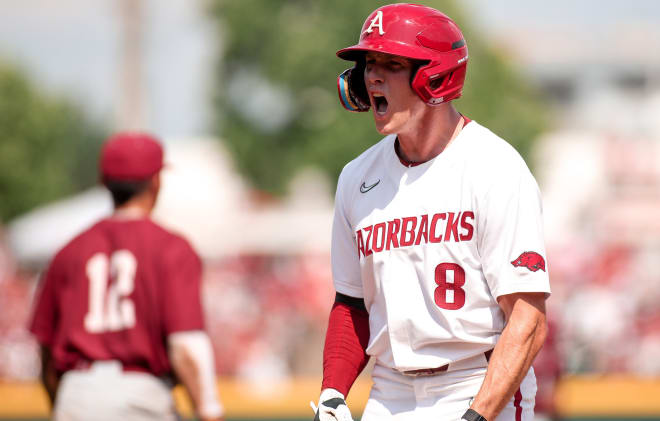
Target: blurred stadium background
[(243, 93)]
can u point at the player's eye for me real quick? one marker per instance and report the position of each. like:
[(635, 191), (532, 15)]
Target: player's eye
[(396, 64)]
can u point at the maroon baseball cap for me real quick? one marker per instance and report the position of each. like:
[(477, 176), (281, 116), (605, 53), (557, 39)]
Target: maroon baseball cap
[(130, 156)]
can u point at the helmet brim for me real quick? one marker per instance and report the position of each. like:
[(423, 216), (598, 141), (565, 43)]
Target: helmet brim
[(356, 52)]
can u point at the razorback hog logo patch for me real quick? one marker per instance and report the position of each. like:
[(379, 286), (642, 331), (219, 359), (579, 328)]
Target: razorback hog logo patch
[(531, 260)]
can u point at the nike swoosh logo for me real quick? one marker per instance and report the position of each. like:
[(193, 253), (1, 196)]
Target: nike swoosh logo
[(364, 188)]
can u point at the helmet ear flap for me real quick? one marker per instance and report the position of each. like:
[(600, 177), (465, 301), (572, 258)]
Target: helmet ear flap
[(351, 89), (436, 88), (452, 86)]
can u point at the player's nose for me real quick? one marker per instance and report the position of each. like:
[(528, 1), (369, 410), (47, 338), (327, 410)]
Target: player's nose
[(373, 75)]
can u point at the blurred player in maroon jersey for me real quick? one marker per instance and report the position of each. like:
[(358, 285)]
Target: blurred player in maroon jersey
[(119, 312)]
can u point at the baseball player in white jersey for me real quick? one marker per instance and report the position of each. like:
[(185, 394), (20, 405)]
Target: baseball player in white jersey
[(437, 247)]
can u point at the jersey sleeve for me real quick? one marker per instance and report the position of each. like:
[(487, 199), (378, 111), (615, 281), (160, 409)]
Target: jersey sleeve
[(45, 316), (511, 241), (182, 307), (344, 257)]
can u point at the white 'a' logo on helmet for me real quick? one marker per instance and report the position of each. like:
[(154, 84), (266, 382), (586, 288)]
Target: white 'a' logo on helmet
[(376, 21)]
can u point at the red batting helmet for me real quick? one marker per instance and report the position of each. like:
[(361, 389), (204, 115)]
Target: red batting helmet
[(416, 32)]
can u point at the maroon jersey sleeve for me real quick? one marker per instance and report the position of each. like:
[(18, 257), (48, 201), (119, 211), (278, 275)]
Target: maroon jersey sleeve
[(182, 301), (45, 315)]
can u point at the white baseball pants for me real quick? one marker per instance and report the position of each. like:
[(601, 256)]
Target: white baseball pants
[(105, 392), (444, 396)]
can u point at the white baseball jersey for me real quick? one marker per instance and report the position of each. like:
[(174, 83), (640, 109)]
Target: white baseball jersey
[(430, 247)]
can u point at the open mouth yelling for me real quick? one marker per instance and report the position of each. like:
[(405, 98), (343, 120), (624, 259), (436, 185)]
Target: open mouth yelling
[(379, 104)]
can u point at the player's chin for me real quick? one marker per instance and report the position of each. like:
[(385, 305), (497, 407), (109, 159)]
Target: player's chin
[(383, 125), (387, 127), (382, 130)]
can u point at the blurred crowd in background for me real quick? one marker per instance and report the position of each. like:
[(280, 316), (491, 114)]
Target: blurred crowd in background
[(596, 156)]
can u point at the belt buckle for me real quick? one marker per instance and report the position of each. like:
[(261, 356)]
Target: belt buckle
[(425, 372)]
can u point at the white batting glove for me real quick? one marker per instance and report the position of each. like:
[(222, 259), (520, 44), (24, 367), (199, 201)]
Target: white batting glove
[(332, 407)]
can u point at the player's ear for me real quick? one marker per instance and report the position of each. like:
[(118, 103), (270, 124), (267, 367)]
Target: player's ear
[(154, 183)]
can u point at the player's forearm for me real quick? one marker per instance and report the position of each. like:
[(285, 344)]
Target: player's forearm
[(191, 356), (516, 349)]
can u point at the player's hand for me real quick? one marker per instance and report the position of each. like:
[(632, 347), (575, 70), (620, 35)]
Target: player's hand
[(332, 407), (212, 411)]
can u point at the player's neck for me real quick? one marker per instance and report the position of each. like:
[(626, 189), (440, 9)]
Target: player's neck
[(136, 208), (434, 131)]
